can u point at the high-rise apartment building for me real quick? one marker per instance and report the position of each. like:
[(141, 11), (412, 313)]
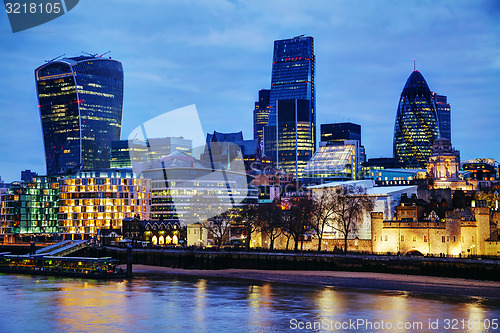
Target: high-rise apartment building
[(295, 135), (80, 101), (261, 114), (292, 78), (417, 123)]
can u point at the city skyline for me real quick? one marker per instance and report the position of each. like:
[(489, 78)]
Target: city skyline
[(221, 58)]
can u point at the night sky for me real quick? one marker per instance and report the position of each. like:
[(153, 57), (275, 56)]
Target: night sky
[(217, 54)]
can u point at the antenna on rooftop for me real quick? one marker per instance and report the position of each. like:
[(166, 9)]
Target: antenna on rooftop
[(299, 36), (103, 54), (90, 54), (414, 64), (62, 55)]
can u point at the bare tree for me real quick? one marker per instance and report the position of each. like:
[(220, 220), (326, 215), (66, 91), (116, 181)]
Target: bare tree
[(322, 211), (270, 220), (249, 219), (350, 204), (219, 226), (298, 221)]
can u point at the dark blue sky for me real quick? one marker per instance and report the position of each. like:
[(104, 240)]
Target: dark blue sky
[(217, 54)]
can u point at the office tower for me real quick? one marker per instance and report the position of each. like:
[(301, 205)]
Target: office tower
[(292, 78), (340, 132), (80, 101), (417, 123), (261, 114), (443, 110), (295, 135)]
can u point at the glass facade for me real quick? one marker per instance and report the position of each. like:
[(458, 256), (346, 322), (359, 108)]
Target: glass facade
[(417, 123), (444, 115), (292, 78), (261, 114), (80, 101), (336, 161), (295, 135), (30, 207)]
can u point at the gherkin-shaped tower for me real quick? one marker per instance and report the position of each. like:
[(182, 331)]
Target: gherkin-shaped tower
[(417, 124)]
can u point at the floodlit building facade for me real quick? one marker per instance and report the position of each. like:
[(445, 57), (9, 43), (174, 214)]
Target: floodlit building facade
[(434, 231), (80, 101), (93, 200)]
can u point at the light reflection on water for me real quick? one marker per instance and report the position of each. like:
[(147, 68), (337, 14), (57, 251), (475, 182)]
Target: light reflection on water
[(50, 304)]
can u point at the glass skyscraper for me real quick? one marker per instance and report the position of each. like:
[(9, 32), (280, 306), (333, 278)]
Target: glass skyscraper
[(261, 114), (80, 101), (295, 135), (292, 78), (443, 110), (417, 123)]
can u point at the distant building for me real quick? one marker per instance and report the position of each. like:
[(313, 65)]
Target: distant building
[(396, 177), (443, 110), (417, 123), (139, 154), (154, 232), (481, 168), (444, 166), (188, 190), (340, 132), (222, 148), (292, 78), (261, 114), (334, 161), (28, 175), (124, 151), (80, 101)]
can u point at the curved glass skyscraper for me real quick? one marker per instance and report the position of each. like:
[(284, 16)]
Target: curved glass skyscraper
[(80, 101), (417, 124)]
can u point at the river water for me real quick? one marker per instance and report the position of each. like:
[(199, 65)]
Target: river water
[(164, 304)]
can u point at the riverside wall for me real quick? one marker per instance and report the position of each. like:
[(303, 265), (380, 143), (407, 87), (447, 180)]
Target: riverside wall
[(444, 267)]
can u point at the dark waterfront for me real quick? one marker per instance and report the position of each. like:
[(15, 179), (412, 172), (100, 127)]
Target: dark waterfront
[(157, 303)]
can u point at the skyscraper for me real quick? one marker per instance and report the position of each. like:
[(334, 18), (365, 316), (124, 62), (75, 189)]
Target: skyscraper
[(417, 123), (80, 101), (261, 114), (295, 135), (292, 78), (443, 110)]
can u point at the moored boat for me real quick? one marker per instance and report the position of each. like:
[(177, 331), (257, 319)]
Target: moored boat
[(94, 268)]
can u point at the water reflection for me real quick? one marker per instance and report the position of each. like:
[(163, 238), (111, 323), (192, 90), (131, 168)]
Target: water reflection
[(35, 304)]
